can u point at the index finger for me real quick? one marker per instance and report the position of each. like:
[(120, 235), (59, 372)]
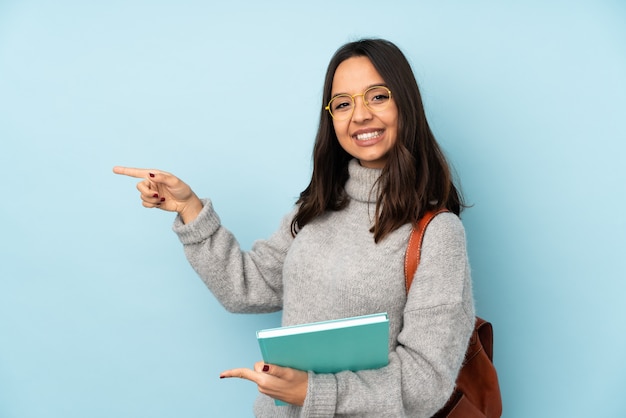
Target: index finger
[(241, 373), (140, 173)]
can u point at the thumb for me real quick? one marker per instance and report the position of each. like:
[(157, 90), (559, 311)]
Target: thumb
[(262, 367), (270, 369)]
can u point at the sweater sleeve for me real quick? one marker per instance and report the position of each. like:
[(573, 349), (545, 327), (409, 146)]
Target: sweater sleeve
[(437, 322), (245, 282)]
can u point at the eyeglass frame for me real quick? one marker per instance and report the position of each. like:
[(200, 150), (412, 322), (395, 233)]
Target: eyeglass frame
[(365, 102)]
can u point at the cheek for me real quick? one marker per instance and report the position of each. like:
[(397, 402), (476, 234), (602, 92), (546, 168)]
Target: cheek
[(393, 118), (340, 129), (394, 125)]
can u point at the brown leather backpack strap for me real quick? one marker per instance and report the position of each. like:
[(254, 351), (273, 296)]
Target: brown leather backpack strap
[(414, 249)]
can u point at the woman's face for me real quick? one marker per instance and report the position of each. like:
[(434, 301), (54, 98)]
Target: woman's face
[(366, 135)]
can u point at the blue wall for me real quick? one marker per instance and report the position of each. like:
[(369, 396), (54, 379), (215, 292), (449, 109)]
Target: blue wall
[(101, 316)]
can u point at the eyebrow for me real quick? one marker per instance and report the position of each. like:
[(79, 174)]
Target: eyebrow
[(368, 87)]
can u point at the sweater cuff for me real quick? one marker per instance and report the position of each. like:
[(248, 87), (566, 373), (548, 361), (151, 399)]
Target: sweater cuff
[(201, 228), (321, 396)]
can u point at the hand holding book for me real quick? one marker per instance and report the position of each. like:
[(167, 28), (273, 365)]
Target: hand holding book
[(356, 343)]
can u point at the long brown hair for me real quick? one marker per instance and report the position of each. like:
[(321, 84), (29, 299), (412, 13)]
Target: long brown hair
[(416, 177)]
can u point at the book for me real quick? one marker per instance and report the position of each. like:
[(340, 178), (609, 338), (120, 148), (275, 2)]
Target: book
[(356, 343)]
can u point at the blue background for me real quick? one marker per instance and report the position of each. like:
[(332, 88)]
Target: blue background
[(100, 315)]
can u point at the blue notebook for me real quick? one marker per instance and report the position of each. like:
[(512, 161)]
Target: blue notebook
[(356, 343)]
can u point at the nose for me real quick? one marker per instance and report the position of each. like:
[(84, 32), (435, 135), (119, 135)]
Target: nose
[(361, 112)]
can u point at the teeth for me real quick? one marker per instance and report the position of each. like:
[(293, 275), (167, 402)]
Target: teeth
[(369, 135)]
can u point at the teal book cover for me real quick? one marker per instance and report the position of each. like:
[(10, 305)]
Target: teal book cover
[(356, 343)]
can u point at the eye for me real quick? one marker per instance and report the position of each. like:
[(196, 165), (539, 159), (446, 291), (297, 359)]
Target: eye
[(341, 104), (377, 95)]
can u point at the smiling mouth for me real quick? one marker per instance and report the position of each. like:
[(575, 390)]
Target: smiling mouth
[(368, 135)]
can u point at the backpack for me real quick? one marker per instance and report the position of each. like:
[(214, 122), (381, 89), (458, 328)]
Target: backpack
[(477, 392)]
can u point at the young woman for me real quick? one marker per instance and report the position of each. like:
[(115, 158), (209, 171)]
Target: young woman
[(340, 252)]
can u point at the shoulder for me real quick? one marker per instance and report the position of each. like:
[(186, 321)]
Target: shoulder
[(446, 228), (446, 221)]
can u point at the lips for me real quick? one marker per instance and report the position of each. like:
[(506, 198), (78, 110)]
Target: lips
[(366, 136)]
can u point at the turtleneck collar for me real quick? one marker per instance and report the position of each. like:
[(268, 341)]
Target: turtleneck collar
[(361, 182)]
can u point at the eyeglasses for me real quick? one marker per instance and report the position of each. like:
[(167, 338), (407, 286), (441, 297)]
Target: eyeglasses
[(375, 98)]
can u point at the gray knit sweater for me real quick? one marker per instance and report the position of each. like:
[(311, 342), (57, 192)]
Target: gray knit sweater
[(333, 269)]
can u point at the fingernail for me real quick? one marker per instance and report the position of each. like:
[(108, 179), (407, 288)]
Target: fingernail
[(266, 368), (155, 195), (162, 199), (151, 174)]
